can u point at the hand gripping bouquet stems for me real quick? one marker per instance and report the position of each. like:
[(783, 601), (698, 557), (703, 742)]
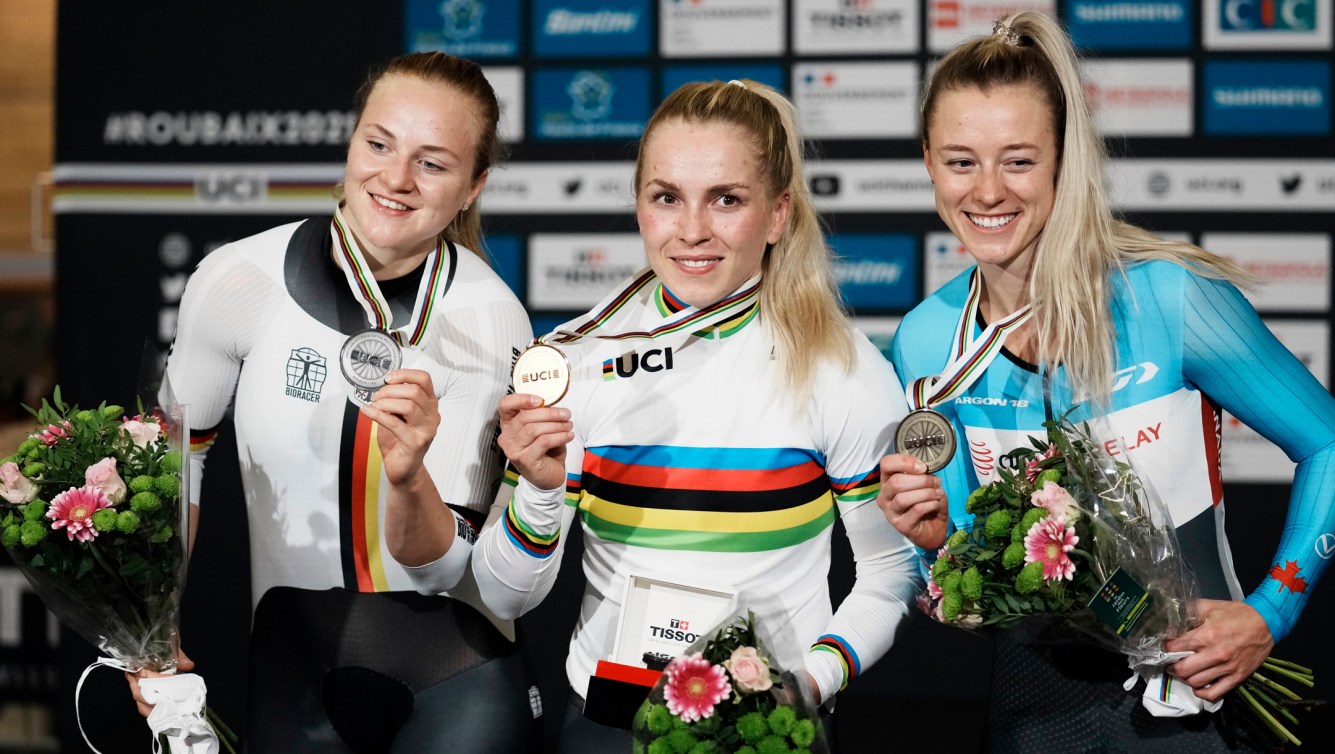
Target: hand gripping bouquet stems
[(733, 690), (93, 513), (1070, 531)]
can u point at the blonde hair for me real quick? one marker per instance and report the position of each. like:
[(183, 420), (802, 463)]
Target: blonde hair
[(466, 77), (799, 300), (1083, 243)]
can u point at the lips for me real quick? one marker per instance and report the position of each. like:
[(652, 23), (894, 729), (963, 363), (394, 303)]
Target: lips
[(390, 203), (991, 222)]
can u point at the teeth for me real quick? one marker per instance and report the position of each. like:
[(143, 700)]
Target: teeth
[(696, 262), (991, 222), (390, 204)]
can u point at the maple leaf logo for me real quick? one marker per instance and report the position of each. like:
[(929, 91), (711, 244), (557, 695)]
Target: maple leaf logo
[(1288, 576)]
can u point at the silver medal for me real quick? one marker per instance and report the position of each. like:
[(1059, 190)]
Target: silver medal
[(366, 358)]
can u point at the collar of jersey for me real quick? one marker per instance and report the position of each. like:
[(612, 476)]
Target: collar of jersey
[(668, 304)]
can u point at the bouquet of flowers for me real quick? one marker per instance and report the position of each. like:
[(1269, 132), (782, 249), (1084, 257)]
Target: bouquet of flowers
[(724, 695), (92, 512), (1069, 531)]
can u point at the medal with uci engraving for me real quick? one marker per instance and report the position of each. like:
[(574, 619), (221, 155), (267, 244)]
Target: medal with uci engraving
[(926, 435), (929, 435), (366, 357), (542, 370)]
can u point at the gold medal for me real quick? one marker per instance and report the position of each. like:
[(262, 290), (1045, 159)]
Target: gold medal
[(542, 370), (926, 435)]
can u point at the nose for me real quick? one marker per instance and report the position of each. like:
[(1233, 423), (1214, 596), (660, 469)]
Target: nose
[(398, 175), (693, 225), (989, 188)]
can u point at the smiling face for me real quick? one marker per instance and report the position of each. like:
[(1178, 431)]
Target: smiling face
[(993, 158), (704, 209), (410, 169)]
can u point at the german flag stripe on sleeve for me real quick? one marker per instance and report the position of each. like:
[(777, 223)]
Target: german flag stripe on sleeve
[(840, 649), (202, 439)]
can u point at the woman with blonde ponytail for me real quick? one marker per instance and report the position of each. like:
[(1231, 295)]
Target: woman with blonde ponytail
[(718, 446), (1104, 319)]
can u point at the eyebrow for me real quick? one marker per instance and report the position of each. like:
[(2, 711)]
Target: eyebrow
[(425, 147), (721, 188), (1007, 148)]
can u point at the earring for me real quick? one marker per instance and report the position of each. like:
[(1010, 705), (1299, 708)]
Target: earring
[(465, 207)]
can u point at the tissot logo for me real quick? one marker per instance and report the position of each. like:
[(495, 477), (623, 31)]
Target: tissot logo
[(627, 364), (306, 372), (672, 634)]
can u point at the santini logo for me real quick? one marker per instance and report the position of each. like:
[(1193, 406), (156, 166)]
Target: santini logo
[(627, 364), (562, 21)]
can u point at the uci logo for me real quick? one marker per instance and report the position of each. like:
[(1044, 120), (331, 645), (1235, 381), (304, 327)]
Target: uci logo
[(230, 186), (627, 364)]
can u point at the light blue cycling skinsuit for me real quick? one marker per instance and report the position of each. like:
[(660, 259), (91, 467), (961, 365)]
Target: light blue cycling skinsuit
[(1187, 348)]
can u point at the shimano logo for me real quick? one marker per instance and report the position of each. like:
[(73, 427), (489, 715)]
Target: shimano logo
[(867, 272), (1129, 12), (1259, 96), (564, 22)]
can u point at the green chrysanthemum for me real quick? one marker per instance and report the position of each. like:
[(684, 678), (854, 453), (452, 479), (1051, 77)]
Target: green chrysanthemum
[(27, 445), (971, 584), (1030, 578), (84, 415), (951, 603), (660, 746), (128, 522), (941, 567), (637, 747), (141, 483), (31, 533), (746, 749), (145, 502), (752, 727), (803, 732), (658, 719), (34, 510), (168, 486), (998, 525), (105, 519), (171, 462), (772, 744), (33, 454), (1031, 517), (112, 411), (781, 720), (704, 747), (681, 741), (11, 536), (958, 539), (1013, 557), (33, 469), (1048, 475), (161, 535), (950, 583), (975, 499)]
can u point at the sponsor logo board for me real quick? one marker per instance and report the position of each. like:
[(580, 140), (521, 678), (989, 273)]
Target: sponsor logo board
[(855, 26), (586, 103), (1294, 268), (1266, 24), (468, 28), (1140, 97), (508, 83), (1266, 97), (870, 186), (950, 22), (575, 271), (1223, 185), (1130, 24), (876, 271), (722, 28), (857, 100), (590, 28), (676, 75)]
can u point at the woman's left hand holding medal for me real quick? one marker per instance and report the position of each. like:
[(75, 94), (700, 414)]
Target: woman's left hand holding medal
[(534, 437), (408, 414), (913, 501)]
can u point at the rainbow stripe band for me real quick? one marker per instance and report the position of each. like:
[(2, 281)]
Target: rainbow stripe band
[(540, 546), (841, 649)]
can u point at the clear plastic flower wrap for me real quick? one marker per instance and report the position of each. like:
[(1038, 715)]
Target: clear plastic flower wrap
[(1070, 539), (94, 512), (741, 687)]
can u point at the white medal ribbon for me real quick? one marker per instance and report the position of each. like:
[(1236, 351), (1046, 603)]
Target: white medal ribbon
[(971, 356), (1165, 694), (178, 711)]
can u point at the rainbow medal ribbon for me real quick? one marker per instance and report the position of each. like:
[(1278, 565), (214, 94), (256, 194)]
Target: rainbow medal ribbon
[(925, 433), (367, 356), (543, 369)]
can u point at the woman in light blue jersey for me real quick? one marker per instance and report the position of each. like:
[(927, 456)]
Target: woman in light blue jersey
[(1152, 333)]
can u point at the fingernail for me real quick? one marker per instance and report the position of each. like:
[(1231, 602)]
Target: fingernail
[(534, 401), (920, 467), (563, 413)]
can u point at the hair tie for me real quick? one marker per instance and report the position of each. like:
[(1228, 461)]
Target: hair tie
[(1007, 34)]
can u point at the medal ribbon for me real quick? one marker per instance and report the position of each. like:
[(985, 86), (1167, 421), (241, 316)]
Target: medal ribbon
[(970, 357), (349, 259), (691, 319)]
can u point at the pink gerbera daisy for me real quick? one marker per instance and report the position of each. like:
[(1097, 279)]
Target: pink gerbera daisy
[(53, 434), (73, 509), (694, 686), (1047, 542), (1031, 470)]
